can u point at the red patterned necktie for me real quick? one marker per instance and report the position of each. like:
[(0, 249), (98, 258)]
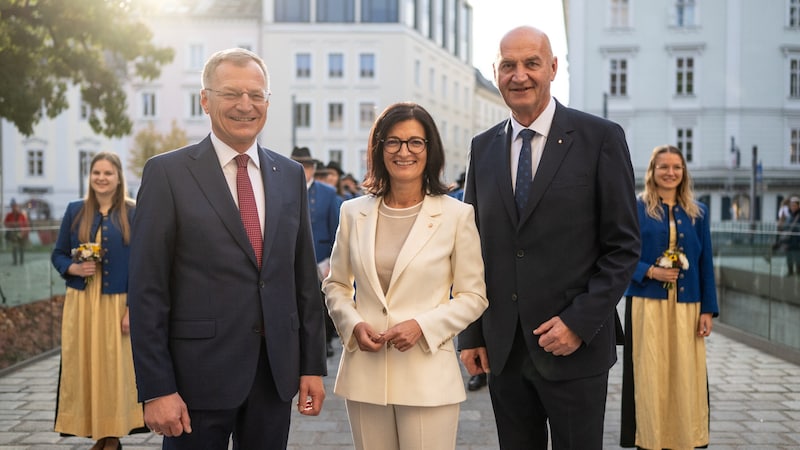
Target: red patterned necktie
[(247, 206)]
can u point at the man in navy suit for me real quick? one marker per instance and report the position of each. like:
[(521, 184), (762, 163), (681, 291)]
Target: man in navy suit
[(558, 259), (323, 204), (227, 323)]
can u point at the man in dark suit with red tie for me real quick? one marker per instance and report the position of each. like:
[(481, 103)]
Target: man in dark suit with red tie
[(225, 311), (553, 192)]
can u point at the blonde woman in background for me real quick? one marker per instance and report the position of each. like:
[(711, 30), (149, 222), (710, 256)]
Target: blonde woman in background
[(97, 395), (668, 314)]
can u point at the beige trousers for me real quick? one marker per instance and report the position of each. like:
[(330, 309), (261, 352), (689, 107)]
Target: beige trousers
[(398, 427)]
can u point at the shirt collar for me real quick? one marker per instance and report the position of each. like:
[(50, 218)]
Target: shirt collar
[(541, 125), (225, 153)]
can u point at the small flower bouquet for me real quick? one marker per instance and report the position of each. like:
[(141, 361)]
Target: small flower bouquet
[(672, 259), (90, 251)]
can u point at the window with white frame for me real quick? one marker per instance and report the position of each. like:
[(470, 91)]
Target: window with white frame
[(444, 86), (302, 115), (35, 159), (195, 107), (148, 105), (336, 116), (366, 62), (685, 13), (366, 115), (432, 80), (793, 15), (85, 162), (618, 77), (197, 56), (335, 65), (335, 155), (794, 146), (684, 140), (85, 110), (618, 14), (292, 10), (302, 62), (339, 11), (379, 11), (794, 76), (684, 75), (417, 73)]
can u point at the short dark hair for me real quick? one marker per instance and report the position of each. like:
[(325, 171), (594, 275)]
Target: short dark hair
[(377, 181)]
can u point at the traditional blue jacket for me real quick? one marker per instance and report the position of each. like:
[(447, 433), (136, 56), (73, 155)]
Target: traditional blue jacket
[(694, 239), (115, 258)]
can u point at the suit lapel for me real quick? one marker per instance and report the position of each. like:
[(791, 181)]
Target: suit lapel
[(424, 227), (208, 175), (555, 150), (366, 229), (273, 206)]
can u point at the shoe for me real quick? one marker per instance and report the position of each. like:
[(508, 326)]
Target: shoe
[(476, 382), (329, 349)]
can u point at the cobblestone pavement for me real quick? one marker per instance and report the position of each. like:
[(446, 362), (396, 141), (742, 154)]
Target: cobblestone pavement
[(755, 404)]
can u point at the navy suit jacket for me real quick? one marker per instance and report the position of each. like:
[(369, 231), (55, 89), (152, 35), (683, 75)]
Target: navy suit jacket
[(197, 298), (572, 251), (324, 206)]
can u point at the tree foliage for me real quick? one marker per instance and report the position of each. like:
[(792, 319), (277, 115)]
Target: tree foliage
[(149, 142), (97, 45)]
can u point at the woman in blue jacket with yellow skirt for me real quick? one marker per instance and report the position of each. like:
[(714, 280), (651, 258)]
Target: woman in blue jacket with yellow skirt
[(97, 395), (669, 308)]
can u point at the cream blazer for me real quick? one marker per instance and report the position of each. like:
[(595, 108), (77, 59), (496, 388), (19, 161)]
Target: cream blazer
[(442, 251)]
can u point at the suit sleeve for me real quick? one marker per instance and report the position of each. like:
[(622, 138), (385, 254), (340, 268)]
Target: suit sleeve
[(152, 240), (472, 336), (617, 237), (338, 286)]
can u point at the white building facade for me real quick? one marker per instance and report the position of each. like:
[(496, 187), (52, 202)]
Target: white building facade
[(715, 78), (334, 66)]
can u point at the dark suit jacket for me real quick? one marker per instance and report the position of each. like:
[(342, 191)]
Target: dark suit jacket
[(324, 205), (570, 254), (197, 298)]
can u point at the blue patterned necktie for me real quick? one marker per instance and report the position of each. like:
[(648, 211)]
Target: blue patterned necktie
[(524, 174)]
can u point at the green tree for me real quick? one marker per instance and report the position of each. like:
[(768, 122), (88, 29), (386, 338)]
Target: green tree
[(97, 45), (149, 142)]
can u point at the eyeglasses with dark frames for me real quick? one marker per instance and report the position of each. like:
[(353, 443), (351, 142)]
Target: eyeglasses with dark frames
[(414, 145)]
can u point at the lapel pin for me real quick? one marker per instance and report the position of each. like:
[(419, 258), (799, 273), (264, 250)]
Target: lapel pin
[(560, 141)]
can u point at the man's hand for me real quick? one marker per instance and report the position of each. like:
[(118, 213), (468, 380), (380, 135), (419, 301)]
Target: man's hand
[(125, 323), (167, 415), (311, 395), (557, 338), (475, 360)]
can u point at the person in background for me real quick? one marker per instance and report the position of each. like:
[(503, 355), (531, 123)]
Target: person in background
[(669, 308), (554, 197), (323, 205), (792, 227), (405, 245), (457, 191), (97, 395), (350, 187), (226, 318), (335, 173), (17, 229)]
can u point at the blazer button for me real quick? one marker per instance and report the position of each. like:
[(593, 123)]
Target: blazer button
[(513, 297), (384, 311), (520, 253), (261, 284)]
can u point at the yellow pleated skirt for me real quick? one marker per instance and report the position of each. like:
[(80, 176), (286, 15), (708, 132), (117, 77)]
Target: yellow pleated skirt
[(97, 394), (669, 370)]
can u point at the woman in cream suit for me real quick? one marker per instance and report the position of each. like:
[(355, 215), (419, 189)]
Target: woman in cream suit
[(415, 255)]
